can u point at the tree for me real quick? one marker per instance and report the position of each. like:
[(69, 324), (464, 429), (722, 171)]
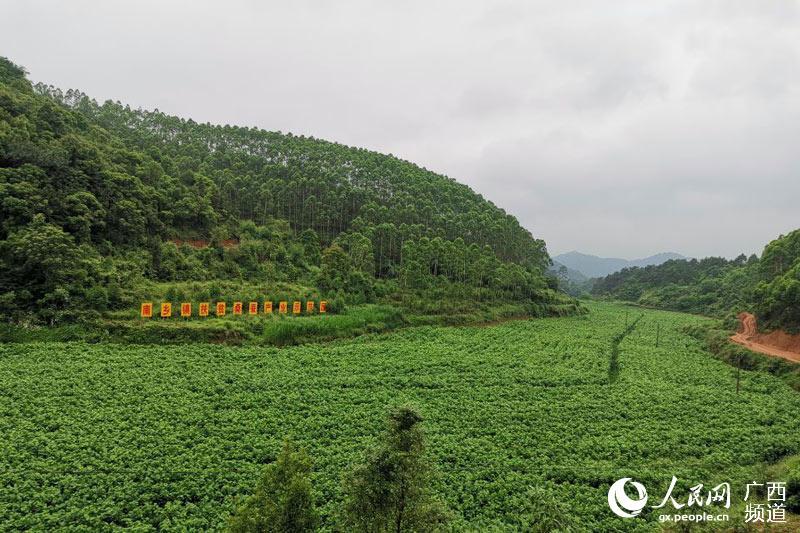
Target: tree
[(44, 261), (311, 249), (335, 267), (282, 501), (389, 490)]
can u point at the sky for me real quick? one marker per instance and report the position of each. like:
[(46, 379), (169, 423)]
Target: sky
[(619, 128)]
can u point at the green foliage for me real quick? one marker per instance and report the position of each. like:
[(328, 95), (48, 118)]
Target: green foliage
[(777, 295), (282, 501), (43, 267), (717, 339), (244, 204), (613, 363), (357, 321), (769, 287), (613, 360), (793, 488), (546, 513), (390, 490), (9, 72), (105, 436)]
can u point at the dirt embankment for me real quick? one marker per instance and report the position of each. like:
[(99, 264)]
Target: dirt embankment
[(775, 343)]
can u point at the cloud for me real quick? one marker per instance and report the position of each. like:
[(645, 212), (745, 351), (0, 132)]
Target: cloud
[(618, 129)]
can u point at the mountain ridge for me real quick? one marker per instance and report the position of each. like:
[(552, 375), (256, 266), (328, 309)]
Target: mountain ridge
[(593, 266)]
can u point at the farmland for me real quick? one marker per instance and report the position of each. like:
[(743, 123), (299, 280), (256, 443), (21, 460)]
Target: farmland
[(101, 435)]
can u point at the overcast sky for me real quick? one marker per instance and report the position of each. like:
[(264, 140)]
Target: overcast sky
[(613, 128)]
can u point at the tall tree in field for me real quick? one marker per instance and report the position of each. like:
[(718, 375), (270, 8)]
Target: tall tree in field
[(389, 491), (282, 501)]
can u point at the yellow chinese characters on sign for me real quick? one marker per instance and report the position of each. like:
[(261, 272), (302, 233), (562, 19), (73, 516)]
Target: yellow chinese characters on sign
[(282, 307), (166, 310), (221, 308), (268, 308), (323, 306), (296, 307), (252, 308), (310, 306), (203, 308), (186, 309), (237, 308), (147, 310)]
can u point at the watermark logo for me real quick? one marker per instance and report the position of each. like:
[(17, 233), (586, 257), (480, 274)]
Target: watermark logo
[(623, 505), (693, 504)]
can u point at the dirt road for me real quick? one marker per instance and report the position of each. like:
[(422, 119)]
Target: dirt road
[(750, 338)]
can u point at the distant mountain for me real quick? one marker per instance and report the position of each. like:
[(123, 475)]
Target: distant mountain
[(570, 280), (597, 267), (571, 274)]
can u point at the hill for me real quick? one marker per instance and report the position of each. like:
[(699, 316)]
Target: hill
[(97, 197), (592, 266), (571, 281), (564, 272), (768, 287)]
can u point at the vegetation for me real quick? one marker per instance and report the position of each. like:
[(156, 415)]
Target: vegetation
[(389, 491), (521, 425), (282, 502), (769, 287), (717, 341), (613, 360), (99, 200)]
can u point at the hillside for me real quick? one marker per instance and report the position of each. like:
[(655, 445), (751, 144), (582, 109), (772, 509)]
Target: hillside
[(96, 196), (571, 281), (566, 273), (592, 266), (768, 287)]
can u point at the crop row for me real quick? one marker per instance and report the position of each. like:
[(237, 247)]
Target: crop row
[(97, 436)]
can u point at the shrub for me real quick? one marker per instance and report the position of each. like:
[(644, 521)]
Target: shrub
[(389, 491), (282, 501)]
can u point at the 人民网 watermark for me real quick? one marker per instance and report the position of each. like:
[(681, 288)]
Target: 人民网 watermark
[(700, 504)]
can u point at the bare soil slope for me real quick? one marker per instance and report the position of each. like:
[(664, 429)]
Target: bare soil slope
[(776, 343)]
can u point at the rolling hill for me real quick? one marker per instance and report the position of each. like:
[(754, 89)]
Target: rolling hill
[(768, 287), (96, 198)]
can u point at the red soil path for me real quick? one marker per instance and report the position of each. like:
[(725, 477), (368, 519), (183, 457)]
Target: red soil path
[(776, 343)]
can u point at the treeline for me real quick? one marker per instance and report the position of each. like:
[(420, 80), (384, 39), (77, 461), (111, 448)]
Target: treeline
[(768, 286), (94, 198)]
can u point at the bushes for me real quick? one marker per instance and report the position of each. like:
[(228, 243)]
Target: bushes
[(718, 343), (282, 501), (390, 490), (366, 319), (613, 362), (793, 489)]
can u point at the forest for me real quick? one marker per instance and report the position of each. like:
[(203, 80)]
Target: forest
[(98, 200), (769, 286)]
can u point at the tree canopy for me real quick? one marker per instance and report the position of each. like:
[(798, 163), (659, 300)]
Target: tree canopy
[(128, 189), (769, 286)]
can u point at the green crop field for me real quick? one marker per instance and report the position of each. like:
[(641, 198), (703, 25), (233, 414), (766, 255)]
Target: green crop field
[(97, 436)]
